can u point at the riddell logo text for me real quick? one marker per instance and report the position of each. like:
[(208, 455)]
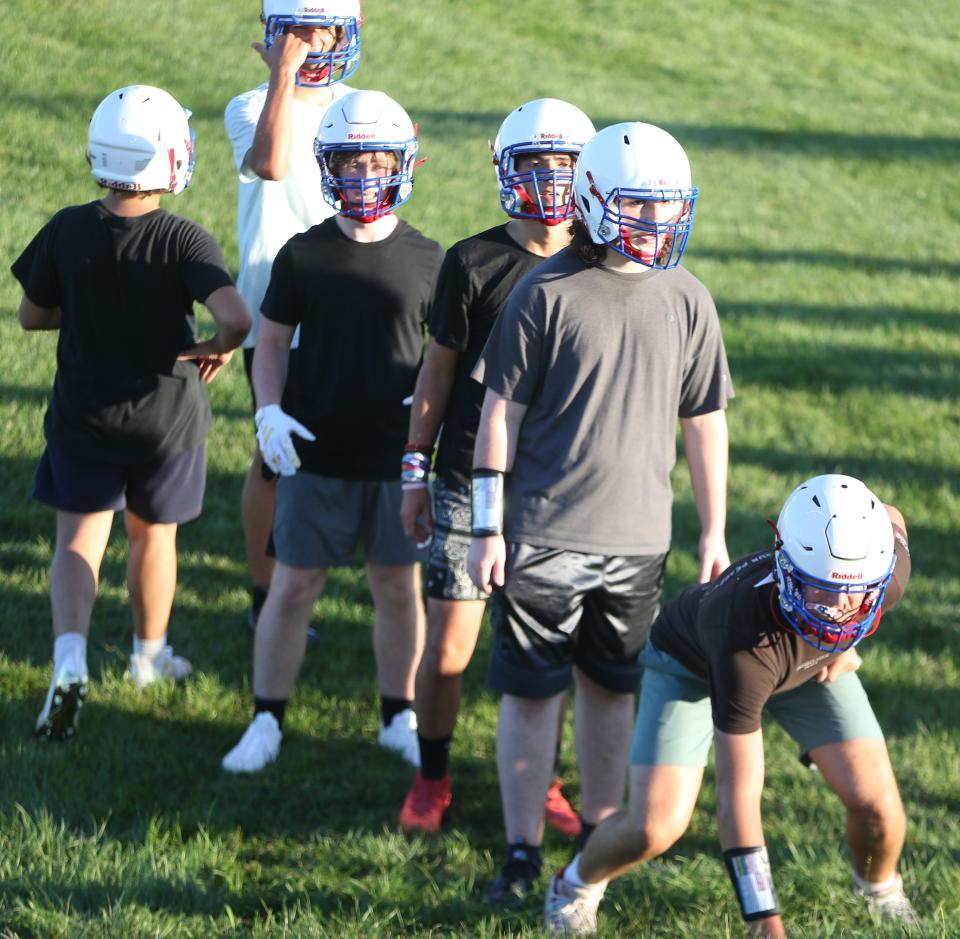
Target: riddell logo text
[(360, 136), (547, 136), (837, 575)]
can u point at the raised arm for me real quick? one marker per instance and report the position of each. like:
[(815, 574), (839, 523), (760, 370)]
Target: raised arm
[(430, 399), (493, 456), (740, 773), (705, 443), (269, 157)]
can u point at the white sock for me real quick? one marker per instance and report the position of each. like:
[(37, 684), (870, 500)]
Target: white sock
[(874, 888), (149, 648), (572, 876), (72, 648)]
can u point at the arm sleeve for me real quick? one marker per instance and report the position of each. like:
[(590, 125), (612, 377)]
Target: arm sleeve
[(240, 120), (450, 317), (279, 302), (204, 268), (36, 269), (512, 361), (706, 379), (901, 570)]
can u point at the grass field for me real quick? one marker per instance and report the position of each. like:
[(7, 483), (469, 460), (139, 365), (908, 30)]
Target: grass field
[(825, 140)]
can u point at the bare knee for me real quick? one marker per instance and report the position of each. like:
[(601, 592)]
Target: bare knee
[(877, 811)]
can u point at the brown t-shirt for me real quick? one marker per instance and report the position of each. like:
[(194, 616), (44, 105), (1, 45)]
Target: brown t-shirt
[(732, 633)]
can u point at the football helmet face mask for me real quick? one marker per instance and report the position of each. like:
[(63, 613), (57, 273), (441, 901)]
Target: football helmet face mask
[(140, 140), (833, 561), (320, 68), (634, 193), (546, 125), (366, 122)]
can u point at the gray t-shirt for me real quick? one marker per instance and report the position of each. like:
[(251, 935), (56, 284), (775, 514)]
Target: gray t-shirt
[(605, 363)]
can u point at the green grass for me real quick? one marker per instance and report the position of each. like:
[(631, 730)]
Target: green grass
[(825, 140)]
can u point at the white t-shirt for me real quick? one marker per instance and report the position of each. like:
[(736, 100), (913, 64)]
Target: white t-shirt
[(271, 212)]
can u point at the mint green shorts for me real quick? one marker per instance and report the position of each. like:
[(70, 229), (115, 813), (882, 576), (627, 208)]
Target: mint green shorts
[(675, 723)]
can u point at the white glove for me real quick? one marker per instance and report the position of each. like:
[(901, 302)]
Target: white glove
[(274, 427)]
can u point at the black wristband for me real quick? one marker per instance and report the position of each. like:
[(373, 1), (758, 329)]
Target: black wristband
[(749, 870)]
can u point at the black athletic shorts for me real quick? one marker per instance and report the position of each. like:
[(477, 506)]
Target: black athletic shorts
[(165, 490), (561, 608)]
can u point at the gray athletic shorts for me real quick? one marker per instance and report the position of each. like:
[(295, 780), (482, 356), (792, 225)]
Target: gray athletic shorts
[(675, 723), (447, 577), (319, 521)]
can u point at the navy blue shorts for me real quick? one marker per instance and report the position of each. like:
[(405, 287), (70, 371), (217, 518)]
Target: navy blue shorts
[(561, 608), (167, 490)]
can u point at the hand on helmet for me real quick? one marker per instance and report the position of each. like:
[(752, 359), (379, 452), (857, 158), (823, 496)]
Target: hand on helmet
[(274, 427)]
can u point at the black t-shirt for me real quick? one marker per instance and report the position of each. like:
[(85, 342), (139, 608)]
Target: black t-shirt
[(732, 633), (475, 280), (125, 288), (361, 309)]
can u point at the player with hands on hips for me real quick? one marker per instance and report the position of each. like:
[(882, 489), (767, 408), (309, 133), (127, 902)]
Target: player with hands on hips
[(596, 355), (359, 286), (534, 155), (128, 418), (776, 632), (309, 49)]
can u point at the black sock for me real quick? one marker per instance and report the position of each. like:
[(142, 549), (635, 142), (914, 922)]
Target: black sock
[(522, 851), (434, 757), (276, 706), (556, 758), (258, 596), (585, 832), (391, 707)]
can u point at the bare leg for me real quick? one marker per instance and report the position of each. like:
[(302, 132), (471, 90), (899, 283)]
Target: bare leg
[(526, 750), (603, 725), (859, 772), (661, 803), (75, 569), (281, 637), (452, 630), (398, 626), (257, 505), (151, 575)]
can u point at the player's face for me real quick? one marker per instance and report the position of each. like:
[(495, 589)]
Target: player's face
[(319, 38), (651, 211), (837, 606), (554, 194), (365, 167)]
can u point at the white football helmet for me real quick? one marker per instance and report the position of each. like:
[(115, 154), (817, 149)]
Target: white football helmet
[(544, 125), (834, 558), (320, 68), (366, 121), (140, 140), (643, 164)]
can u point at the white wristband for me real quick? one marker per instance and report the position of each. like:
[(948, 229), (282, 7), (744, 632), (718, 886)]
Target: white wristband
[(486, 499)]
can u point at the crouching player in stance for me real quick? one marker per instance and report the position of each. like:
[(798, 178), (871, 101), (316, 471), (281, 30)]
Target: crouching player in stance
[(128, 418), (534, 156), (771, 632), (359, 285), (596, 355)]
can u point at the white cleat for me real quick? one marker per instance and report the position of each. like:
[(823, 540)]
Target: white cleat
[(164, 667), (570, 910), (892, 903), (401, 736), (258, 747), (61, 710)]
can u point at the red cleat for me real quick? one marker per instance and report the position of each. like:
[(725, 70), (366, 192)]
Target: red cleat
[(559, 813), (425, 804)]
